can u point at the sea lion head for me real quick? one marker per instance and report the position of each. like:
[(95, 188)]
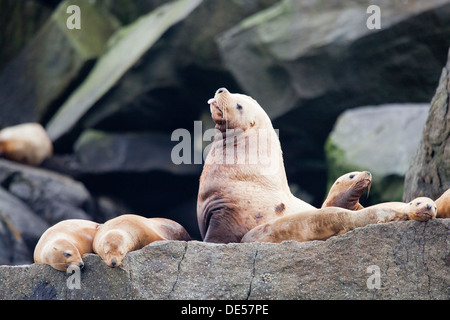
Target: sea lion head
[(347, 189), (64, 255), (236, 111), (113, 248), (422, 209)]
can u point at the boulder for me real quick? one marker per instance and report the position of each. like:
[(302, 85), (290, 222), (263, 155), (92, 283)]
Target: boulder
[(165, 82), (379, 139), (429, 173), (13, 249), (20, 20), (99, 152), (50, 196), (409, 259), (308, 61), (52, 63), (20, 223), (126, 48)]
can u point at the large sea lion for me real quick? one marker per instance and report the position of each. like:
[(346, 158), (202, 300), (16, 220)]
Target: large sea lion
[(243, 183), (443, 205), (324, 223), (347, 189), (27, 143), (129, 232), (64, 244)]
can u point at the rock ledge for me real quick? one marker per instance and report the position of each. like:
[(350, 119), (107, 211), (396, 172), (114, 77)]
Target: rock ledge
[(413, 260)]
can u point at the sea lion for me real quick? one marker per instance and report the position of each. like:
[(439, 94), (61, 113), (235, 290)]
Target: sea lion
[(26, 143), (64, 244), (243, 182), (443, 205), (324, 223), (129, 232), (347, 189)]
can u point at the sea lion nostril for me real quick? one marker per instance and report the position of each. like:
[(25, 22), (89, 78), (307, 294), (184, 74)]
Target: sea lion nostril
[(221, 90), (428, 206)]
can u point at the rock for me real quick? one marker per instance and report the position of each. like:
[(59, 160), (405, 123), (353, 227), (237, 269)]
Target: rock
[(339, 268), (20, 20), (98, 152), (429, 173), (13, 249), (55, 61), (136, 170), (21, 222), (51, 196), (380, 139), (126, 47), (161, 89), (308, 61)]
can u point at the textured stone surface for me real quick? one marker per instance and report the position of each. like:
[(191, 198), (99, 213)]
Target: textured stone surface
[(429, 174), (413, 259), (52, 63)]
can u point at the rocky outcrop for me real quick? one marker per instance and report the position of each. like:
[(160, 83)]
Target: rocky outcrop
[(429, 173), (411, 259), (308, 61), (54, 62), (31, 200), (380, 139)]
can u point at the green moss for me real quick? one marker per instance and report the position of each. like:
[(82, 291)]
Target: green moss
[(383, 189)]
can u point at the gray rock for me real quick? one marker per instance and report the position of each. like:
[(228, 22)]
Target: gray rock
[(125, 49), (412, 259), (51, 196), (429, 173), (52, 63), (13, 249), (306, 62), (21, 220), (98, 152), (380, 139)]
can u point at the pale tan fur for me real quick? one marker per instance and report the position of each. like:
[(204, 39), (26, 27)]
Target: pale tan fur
[(236, 196), (347, 189), (443, 205), (130, 232), (72, 237), (26, 143), (324, 223)]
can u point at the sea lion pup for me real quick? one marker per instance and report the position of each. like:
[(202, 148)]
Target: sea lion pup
[(27, 143), (64, 244), (443, 205), (243, 183), (347, 189), (130, 232), (324, 223)]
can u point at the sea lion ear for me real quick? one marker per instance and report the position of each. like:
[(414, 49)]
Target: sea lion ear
[(252, 123)]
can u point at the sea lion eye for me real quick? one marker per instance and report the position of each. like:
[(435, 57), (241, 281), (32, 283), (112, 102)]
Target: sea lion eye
[(66, 254), (352, 176), (417, 203), (239, 107)]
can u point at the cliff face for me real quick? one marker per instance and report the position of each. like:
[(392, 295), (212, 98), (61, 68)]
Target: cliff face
[(429, 173), (399, 260)]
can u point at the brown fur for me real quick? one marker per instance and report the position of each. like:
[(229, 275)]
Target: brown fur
[(347, 189), (324, 223), (234, 196), (71, 237), (130, 232), (443, 205), (27, 143)]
